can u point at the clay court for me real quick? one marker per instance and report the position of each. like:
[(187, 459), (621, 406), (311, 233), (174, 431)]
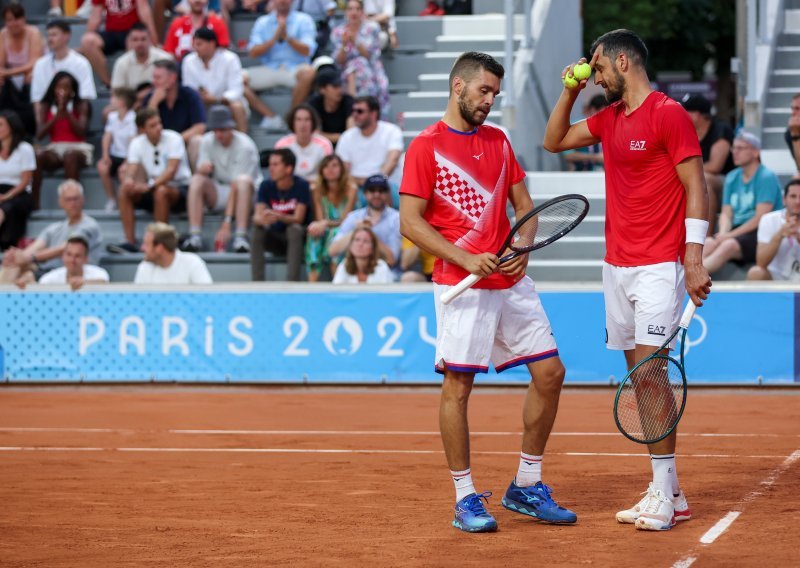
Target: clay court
[(181, 476)]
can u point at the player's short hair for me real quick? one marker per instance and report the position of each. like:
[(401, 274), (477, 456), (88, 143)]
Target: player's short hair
[(471, 63), (79, 240), (164, 235), (287, 157), (795, 181), (144, 115), (622, 41)]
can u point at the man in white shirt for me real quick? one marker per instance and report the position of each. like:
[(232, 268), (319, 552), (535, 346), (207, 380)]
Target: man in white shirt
[(164, 264), (135, 66), (778, 249), (228, 171), (61, 58), (75, 271), (372, 145), (216, 74), (155, 177)]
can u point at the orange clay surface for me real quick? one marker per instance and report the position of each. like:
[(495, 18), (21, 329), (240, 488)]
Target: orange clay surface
[(184, 476)]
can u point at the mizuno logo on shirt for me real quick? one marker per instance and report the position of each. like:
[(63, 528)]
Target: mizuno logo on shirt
[(638, 145), (478, 157)]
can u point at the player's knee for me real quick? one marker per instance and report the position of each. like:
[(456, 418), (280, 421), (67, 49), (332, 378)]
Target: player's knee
[(457, 387), (550, 378)]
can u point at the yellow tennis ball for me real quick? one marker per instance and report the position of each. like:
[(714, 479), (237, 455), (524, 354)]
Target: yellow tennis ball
[(582, 71), (570, 82)]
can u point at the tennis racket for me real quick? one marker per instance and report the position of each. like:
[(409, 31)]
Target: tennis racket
[(650, 401), (545, 224)]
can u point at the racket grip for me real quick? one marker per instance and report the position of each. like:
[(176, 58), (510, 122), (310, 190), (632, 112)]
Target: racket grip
[(459, 288), (688, 314)]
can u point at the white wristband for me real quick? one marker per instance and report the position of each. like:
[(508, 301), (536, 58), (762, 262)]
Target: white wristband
[(696, 230)]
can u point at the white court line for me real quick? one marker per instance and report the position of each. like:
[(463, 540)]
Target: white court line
[(722, 525), (361, 432), (338, 451)]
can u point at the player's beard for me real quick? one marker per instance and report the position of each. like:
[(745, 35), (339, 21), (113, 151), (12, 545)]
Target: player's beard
[(614, 92), (468, 110)]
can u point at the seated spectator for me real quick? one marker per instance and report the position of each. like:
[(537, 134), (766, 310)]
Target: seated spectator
[(321, 11), (362, 263), (76, 272), (61, 58), (588, 158), (20, 46), (82, 11), (283, 41), (216, 74), (382, 13), (372, 145), (164, 264), (778, 250), (155, 176), (120, 129), (281, 216), (306, 144), (383, 220), (792, 134), (228, 170), (180, 36), (334, 107), (63, 116), (17, 164), (416, 264), (715, 142), (248, 7), (334, 196), (750, 191), (357, 50), (135, 66), (43, 254), (96, 44), (179, 107)]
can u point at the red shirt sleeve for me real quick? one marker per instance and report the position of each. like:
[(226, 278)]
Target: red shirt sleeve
[(419, 169), (597, 122), (171, 41), (221, 29), (678, 134)]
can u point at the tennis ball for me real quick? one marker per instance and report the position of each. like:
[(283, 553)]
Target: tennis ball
[(570, 82), (582, 71)]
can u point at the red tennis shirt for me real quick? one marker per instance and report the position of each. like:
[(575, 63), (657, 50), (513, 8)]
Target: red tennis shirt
[(645, 199), (465, 177)]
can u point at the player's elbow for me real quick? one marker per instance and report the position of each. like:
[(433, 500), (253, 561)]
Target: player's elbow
[(551, 146)]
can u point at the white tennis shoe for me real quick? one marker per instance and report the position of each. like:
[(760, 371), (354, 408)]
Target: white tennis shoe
[(679, 504)]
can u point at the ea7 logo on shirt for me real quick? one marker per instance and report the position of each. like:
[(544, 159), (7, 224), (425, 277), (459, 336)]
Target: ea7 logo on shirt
[(638, 145), (656, 330)]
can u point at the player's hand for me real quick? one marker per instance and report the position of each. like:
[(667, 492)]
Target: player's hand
[(698, 282), (482, 264), (516, 267)]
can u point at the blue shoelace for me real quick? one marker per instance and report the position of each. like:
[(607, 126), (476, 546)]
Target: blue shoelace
[(475, 506)]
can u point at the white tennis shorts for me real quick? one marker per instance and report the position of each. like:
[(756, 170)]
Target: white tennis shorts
[(643, 303), (505, 327)]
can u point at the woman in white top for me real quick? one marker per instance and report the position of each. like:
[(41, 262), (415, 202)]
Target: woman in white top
[(361, 264), (17, 164), (308, 145)]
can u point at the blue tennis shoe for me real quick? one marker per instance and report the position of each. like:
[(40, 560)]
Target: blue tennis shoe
[(472, 516), (535, 501)]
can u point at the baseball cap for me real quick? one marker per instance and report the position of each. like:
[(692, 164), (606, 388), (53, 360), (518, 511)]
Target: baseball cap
[(327, 77), (693, 102), (377, 181), (323, 61), (750, 138), (219, 116)]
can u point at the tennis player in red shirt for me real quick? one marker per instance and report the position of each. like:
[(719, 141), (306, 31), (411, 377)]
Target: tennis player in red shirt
[(656, 206), (459, 175)]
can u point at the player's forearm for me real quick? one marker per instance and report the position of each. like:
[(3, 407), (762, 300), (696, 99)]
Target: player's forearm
[(419, 232), (558, 123)]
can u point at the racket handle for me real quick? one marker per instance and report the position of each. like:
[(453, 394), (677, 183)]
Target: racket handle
[(688, 314), (459, 288)]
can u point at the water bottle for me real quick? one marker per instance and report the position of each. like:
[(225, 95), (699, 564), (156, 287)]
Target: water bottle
[(219, 246)]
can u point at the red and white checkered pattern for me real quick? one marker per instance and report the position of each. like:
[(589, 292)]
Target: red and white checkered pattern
[(458, 192)]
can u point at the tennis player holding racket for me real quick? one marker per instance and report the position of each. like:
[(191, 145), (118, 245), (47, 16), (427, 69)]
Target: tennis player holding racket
[(656, 206), (458, 178)]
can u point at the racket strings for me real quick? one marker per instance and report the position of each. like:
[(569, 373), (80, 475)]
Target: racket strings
[(550, 222), (651, 399)]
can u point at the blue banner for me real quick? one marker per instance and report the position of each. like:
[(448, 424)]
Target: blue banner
[(348, 336)]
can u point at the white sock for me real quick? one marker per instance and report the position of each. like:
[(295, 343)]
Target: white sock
[(530, 470), (463, 482), (664, 474)]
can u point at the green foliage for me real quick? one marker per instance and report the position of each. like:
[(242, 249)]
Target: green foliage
[(681, 35)]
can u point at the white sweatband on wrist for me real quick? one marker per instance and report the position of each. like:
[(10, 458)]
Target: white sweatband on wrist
[(696, 230)]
